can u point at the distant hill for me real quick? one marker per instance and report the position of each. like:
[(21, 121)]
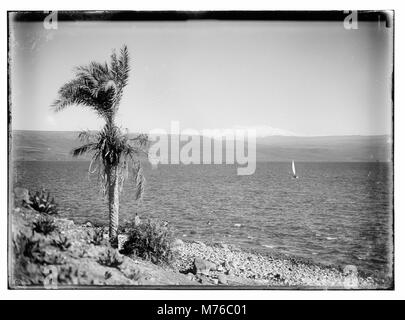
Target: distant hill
[(328, 148), (56, 145), (43, 145)]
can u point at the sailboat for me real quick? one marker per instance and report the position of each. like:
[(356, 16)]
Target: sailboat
[(293, 170)]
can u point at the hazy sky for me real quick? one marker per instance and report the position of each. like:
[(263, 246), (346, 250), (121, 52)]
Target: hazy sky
[(307, 78)]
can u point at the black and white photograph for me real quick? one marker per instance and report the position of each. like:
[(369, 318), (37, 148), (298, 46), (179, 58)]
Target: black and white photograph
[(201, 150)]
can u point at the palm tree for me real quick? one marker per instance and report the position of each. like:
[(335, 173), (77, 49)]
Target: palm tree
[(99, 86)]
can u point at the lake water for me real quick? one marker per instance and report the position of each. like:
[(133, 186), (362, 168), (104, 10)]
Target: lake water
[(335, 213)]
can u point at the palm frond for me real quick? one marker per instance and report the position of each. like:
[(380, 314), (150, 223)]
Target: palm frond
[(84, 149), (141, 140), (95, 72), (119, 69), (71, 93), (97, 85), (80, 91), (123, 64), (87, 136), (111, 148)]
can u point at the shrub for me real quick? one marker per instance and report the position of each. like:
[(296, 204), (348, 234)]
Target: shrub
[(71, 275), (134, 275), (62, 243), (25, 272), (35, 250), (107, 275), (125, 227), (26, 247), (42, 202), (30, 259), (150, 240), (110, 258), (44, 225), (97, 236), (53, 259)]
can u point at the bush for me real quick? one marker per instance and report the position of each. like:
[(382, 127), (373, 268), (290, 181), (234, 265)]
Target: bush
[(97, 236), (62, 243), (44, 225), (25, 272), (35, 250), (126, 227), (31, 259), (42, 202), (110, 258), (71, 275), (134, 275), (26, 247), (150, 240)]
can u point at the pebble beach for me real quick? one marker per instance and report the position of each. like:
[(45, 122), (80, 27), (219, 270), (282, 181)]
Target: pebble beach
[(223, 264)]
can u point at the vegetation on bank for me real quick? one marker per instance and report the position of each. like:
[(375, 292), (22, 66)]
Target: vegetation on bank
[(151, 240), (52, 252)]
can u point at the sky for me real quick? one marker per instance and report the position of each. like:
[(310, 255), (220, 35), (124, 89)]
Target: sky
[(288, 78)]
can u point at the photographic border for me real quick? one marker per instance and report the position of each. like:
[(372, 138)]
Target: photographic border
[(386, 16)]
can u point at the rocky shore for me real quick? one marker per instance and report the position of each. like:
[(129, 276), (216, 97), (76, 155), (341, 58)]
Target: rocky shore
[(227, 265), (80, 256)]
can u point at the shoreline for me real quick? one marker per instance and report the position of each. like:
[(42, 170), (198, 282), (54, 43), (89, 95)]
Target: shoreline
[(248, 267), (195, 264), (274, 254)]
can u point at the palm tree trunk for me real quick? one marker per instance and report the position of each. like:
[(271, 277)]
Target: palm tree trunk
[(113, 204)]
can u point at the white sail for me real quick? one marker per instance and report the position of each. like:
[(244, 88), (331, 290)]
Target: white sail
[(293, 167)]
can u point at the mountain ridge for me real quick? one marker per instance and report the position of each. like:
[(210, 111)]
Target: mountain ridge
[(56, 146)]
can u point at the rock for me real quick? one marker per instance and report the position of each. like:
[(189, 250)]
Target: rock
[(122, 238), (190, 276), (21, 196), (137, 220), (237, 225), (261, 282), (220, 268), (89, 224), (204, 280), (224, 246), (64, 224), (222, 279), (203, 266), (350, 270), (214, 281), (351, 280), (228, 272), (177, 243), (199, 243)]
